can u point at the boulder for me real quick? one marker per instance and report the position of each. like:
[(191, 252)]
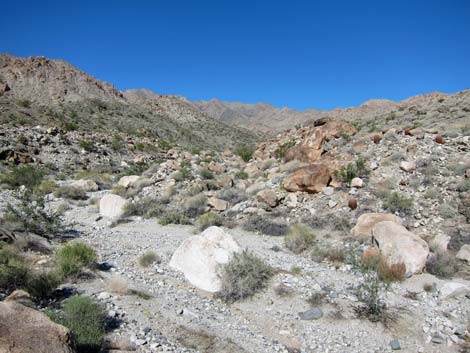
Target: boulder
[(357, 183), (85, 185), (113, 206), (216, 168), (225, 181), (367, 221), (310, 179), (217, 204), (128, 180), (464, 253), (453, 289), (310, 149), (200, 256), (398, 245), (268, 196), (252, 170), (408, 166), (26, 330), (417, 132)]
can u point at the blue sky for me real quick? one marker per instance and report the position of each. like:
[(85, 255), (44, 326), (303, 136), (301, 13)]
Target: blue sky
[(300, 54)]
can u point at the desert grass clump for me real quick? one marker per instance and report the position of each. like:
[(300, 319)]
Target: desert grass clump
[(442, 264), (73, 257), (372, 260), (174, 217), (316, 299), (70, 192), (47, 187), (396, 202), (265, 225), (208, 220), (117, 284), (41, 285), (299, 238), (245, 152), (195, 205), (86, 319), (334, 254), (206, 173), (243, 276), (148, 258), (241, 175)]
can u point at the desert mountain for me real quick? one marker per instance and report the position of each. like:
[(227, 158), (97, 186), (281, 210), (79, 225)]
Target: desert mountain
[(38, 90)]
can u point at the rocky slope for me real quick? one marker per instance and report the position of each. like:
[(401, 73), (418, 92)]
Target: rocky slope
[(38, 90), (435, 109)]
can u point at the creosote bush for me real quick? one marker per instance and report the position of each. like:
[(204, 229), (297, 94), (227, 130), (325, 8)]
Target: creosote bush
[(243, 276), (208, 220), (265, 225), (174, 217), (195, 205), (73, 257), (370, 293), (395, 202), (86, 319), (442, 264), (206, 174), (245, 152), (70, 192), (299, 238), (148, 258)]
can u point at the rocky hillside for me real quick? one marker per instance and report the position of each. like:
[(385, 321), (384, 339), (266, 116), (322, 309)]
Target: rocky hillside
[(53, 93), (439, 110)]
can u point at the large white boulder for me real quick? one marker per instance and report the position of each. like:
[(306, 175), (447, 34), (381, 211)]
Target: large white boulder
[(128, 180), (113, 206), (367, 221), (398, 245), (199, 257)]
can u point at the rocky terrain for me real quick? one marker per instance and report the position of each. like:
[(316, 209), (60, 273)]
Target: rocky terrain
[(340, 235)]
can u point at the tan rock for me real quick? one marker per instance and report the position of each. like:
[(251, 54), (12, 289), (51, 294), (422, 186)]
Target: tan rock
[(225, 181), (310, 149), (26, 330), (367, 221), (398, 245), (268, 196), (464, 253), (128, 180), (310, 179), (113, 206), (85, 185), (357, 183), (218, 204), (408, 166), (216, 168)]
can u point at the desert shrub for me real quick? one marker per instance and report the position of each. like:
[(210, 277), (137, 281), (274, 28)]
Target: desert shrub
[(431, 194), (464, 186), (70, 192), (243, 276), (148, 258), (183, 174), (265, 225), (347, 173), (22, 139), (86, 320), (372, 260), (167, 194), (447, 211), (73, 257), (282, 290), (464, 207), (70, 126), (370, 293), (30, 214), (395, 202), (207, 220), (164, 145), (245, 152), (117, 143), (335, 254), (442, 264), (206, 174), (315, 299), (26, 175), (87, 145), (296, 270), (41, 285), (25, 103), (241, 175), (282, 149), (299, 238), (13, 270), (119, 190), (174, 217), (233, 196), (195, 205), (103, 179), (47, 187)]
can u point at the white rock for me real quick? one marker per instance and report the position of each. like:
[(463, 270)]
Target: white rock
[(464, 253), (291, 200), (357, 183), (128, 180), (85, 185), (453, 289), (367, 221), (398, 245), (328, 190), (332, 204), (199, 257), (408, 166), (113, 206)]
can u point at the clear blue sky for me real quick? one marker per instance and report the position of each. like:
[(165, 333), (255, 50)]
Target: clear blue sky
[(299, 54)]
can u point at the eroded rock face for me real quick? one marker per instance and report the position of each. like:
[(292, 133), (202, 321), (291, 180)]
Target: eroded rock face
[(398, 245), (199, 257), (310, 149), (113, 206), (367, 221), (26, 330), (310, 179)]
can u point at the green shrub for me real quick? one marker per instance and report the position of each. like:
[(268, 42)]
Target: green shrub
[(195, 205), (243, 276), (148, 258), (47, 187), (73, 257), (25, 103), (370, 293), (206, 174), (347, 173), (86, 320), (395, 202), (87, 145), (30, 214), (207, 220), (442, 264), (70, 126), (41, 285), (117, 143), (281, 151), (27, 175), (299, 238), (22, 139), (71, 192), (265, 225), (245, 152), (174, 217), (241, 175)]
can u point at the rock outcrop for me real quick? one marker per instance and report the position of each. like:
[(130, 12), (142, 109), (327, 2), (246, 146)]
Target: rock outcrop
[(113, 206), (367, 221)]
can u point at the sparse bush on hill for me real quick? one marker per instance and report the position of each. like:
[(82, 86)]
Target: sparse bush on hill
[(208, 220), (195, 205), (281, 151), (395, 202), (241, 175), (265, 225), (87, 145), (245, 152), (206, 174), (73, 257), (148, 258), (299, 238), (243, 276), (174, 217), (370, 293), (71, 192), (442, 264), (24, 175)]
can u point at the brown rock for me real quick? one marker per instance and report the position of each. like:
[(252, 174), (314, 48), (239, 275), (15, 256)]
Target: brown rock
[(439, 139), (352, 203), (268, 196), (310, 179), (4, 88), (26, 330), (218, 204), (310, 149), (377, 138)]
